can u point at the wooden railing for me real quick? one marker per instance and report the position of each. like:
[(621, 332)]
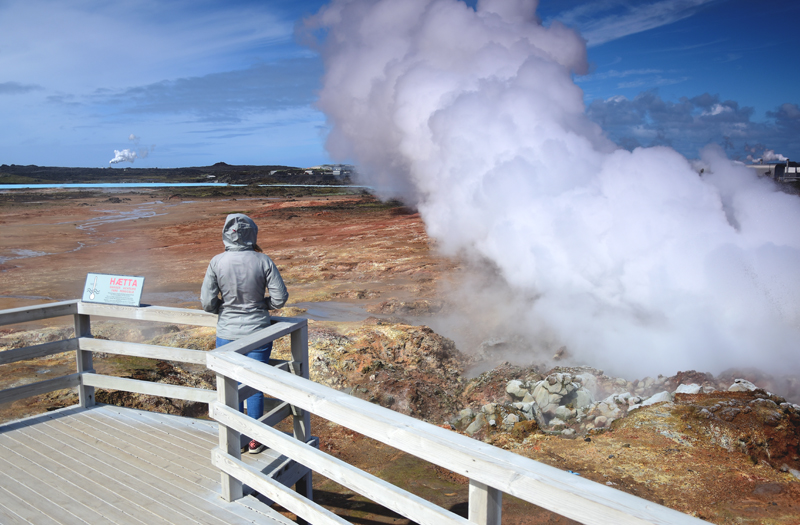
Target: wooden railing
[(491, 471), (85, 379)]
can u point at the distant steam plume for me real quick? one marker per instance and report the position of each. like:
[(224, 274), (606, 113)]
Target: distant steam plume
[(130, 155), (125, 155), (631, 259), (762, 154)]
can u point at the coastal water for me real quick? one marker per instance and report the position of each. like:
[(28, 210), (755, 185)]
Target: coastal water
[(117, 185), (164, 185)]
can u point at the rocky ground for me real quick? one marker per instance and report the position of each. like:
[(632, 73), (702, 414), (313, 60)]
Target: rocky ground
[(724, 448)]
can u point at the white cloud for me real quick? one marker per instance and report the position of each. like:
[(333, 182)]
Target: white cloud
[(601, 22), (689, 123), (81, 45)]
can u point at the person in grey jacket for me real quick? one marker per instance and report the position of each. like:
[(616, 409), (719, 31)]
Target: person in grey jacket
[(234, 287)]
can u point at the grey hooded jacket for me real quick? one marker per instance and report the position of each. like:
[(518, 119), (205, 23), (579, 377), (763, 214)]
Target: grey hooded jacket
[(241, 276)]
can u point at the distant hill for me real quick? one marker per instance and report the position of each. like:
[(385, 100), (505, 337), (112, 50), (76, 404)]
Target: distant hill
[(219, 172)]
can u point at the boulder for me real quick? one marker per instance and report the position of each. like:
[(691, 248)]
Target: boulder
[(583, 398), (559, 384), (489, 409), (661, 397), (462, 417), (478, 424), (516, 389), (563, 413), (692, 388), (549, 393), (608, 410), (546, 401), (742, 385), (528, 398), (526, 408), (588, 381)]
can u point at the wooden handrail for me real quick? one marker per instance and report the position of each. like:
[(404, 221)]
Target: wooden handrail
[(161, 314), (38, 312), (166, 353), (40, 387), (42, 350)]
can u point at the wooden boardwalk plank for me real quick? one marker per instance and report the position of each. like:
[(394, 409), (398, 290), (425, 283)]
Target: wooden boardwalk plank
[(101, 483), (41, 512), (94, 424), (149, 455), (73, 511), (128, 466), (175, 492), (198, 428), (38, 418), (195, 459), (188, 432), (137, 437), (154, 454), (93, 486), (9, 517), (199, 431), (62, 490)]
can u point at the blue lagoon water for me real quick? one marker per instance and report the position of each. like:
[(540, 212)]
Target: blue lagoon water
[(117, 185)]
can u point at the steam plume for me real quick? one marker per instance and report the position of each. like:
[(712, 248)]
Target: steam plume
[(130, 155), (125, 155), (631, 259), (767, 155)]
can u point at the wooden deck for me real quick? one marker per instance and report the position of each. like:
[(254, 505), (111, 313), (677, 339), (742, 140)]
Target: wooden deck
[(107, 464)]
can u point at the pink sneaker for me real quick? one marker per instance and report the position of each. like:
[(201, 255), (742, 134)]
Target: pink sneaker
[(255, 447)]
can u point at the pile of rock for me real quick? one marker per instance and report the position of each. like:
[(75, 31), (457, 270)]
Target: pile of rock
[(565, 402), (491, 415)]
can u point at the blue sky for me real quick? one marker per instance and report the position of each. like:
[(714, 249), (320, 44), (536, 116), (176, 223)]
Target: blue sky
[(191, 83)]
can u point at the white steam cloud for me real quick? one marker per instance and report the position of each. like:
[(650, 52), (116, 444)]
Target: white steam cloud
[(125, 155), (768, 155), (632, 259), (130, 155)]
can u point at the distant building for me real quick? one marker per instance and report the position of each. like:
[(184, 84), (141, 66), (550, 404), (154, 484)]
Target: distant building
[(763, 170), (788, 172), (339, 171), (783, 172)]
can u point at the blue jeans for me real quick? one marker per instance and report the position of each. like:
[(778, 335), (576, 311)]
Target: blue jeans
[(255, 403)]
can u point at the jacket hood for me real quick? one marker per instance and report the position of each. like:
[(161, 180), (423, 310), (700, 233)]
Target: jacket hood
[(239, 232)]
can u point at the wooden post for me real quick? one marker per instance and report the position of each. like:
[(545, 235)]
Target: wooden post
[(229, 439), (83, 359), (485, 504), (300, 418)]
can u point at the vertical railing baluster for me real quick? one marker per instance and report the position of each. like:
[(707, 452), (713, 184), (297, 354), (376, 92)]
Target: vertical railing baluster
[(300, 418), (485, 504), (229, 439), (83, 359)]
